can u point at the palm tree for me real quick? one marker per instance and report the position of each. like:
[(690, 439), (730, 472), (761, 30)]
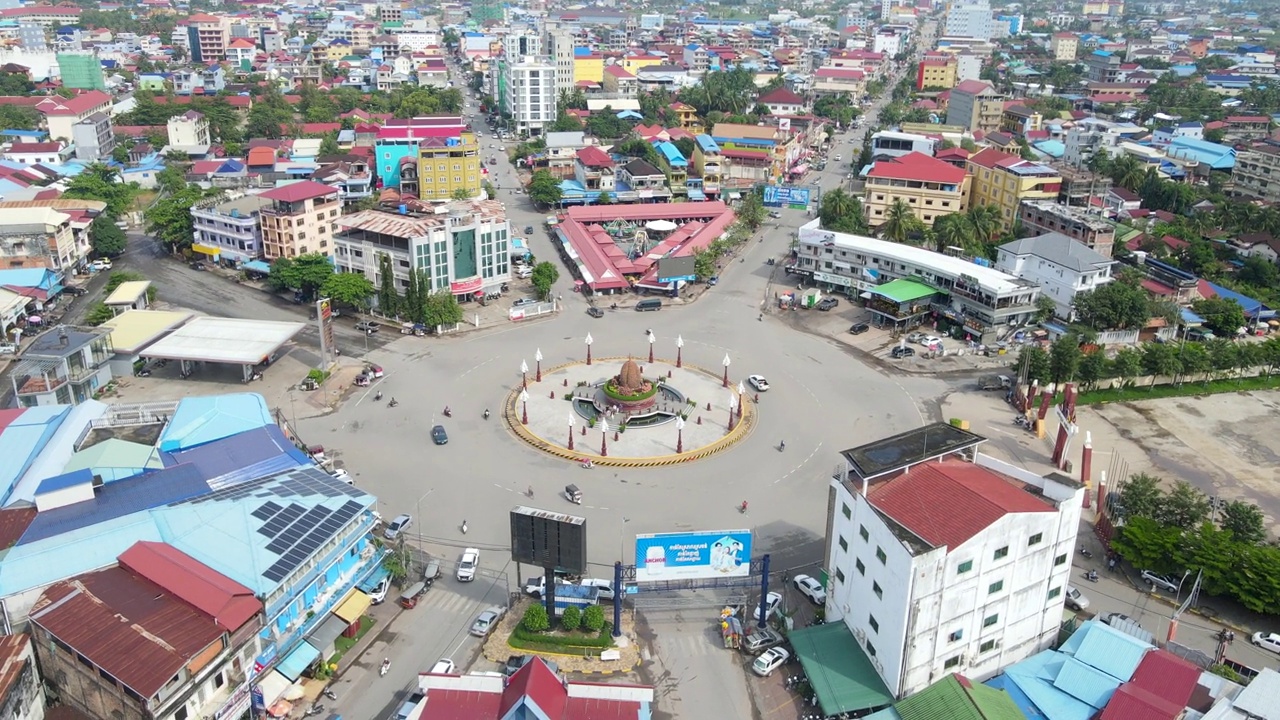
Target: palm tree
[(835, 205), (986, 222), (1128, 173), (899, 222), (954, 230)]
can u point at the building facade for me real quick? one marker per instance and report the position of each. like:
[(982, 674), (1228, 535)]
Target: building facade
[(975, 105), (38, 237), (188, 130), (300, 220), (1060, 265), (531, 95), (930, 187), (446, 166), (969, 18), (1042, 216), (228, 232), (94, 138), (63, 366), (21, 692), (1257, 173), (1004, 180), (207, 37)]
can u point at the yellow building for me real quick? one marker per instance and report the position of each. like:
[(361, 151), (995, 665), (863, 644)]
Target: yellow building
[(1004, 180), (446, 165), (688, 116), (1064, 46), (633, 63), (937, 73), (589, 68), (930, 187)]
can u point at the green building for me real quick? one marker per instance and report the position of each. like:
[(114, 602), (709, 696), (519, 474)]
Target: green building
[(81, 71)]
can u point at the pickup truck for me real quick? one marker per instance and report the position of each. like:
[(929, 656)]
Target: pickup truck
[(406, 708), (994, 382)]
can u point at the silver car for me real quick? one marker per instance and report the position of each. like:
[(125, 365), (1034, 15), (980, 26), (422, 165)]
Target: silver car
[(398, 525), (487, 621)]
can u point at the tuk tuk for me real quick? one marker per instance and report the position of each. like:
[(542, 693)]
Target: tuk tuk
[(573, 494), (409, 598)]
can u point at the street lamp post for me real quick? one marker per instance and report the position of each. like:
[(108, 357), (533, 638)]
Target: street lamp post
[(679, 351), (679, 435), (732, 402), (570, 432), (604, 437), (651, 341), (417, 509), (741, 390), (524, 375), (537, 357), (524, 411), (589, 341), (725, 363)]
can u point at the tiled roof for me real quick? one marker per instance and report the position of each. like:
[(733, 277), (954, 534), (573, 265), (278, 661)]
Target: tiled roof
[(77, 105), (917, 167), (781, 96), (592, 156), (947, 503), (972, 87), (43, 147), (299, 191), (1131, 702)]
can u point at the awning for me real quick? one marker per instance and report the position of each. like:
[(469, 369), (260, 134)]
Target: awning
[(328, 631), (800, 169), (206, 249), (838, 669), (257, 266), (353, 606), (273, 685), (371, 582), (297, 661)]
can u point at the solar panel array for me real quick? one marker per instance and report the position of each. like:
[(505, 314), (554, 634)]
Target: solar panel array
[(303, 482), (297, 533)]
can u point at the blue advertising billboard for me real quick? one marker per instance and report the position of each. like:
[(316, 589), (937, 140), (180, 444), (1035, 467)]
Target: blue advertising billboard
[(684, 556), (785, 195)]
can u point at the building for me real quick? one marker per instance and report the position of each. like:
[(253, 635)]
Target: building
[(531, 95), (709, 165), (1004, 180), (188, 131), (975, 105), (37, 238), (930, 187), (300, 220), (1257, 173), (396, 141), (943, 564), (21, 692), (617, 81), (157, 636), (1020, 120), (781, 101), (970, 19), (207, 37), (1064, 46), (891, 144), (228, 232), (81, 71), (1091, 135), (462, 248), (348, 173), (1044, 216), (63, 366), (61, 114), (593, 168), (36, 153), (94, 138), (1101, 66), (639, 181), (447, 166), (1062, 266), (937, 73), (981, 298), (535, 690)]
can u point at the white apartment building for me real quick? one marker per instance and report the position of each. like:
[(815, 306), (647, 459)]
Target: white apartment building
[(889, 143), (1090, 136), (531, 95), (228, 232), (942, 564), (970, 18), (1060, 265), (463, 248), (188, 130)]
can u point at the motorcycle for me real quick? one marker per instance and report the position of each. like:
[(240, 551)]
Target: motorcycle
[(447, 412), (393, 403), (377, 396), (143, 373), (1085, 552), (1091, 576), (329, 694), (386, 665), (743, 507), (315, 709), (486, 413), (586, 464), (464, 527)]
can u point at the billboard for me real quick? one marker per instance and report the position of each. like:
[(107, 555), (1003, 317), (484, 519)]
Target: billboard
[(786, 195), (549, 540), (684, 556), (676, 269)]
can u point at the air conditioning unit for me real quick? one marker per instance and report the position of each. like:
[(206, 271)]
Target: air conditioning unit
[(860, 634), (875, 662)]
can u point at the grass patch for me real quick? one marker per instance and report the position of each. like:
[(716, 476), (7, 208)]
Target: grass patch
[(576, 643), (344, 644), (1213, 387)]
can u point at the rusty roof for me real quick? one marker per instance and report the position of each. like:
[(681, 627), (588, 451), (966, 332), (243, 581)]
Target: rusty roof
[(129, 627), (229, 603), (13, 523), (13, 648)]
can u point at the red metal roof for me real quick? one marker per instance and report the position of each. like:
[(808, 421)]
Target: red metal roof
[(77, 105), (126, 625), (947, 503), (229, 603), (918, 167), (839, 73), (36, 147), (13, 521), (1131, 702), (972, 87), (460, 705), (1168, 676), (780, 96), (580, 708), (299, 191), (537, 684), (592, 156)]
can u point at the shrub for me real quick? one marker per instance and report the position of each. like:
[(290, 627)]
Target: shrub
[(571, 618), (593, 618), (522, 638), (535, 619)]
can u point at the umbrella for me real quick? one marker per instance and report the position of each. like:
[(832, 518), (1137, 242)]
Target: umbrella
[(33, 319), (295, 692), (280, 708)]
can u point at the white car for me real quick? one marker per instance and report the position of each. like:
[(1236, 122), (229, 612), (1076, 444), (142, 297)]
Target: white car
[(1270, 641), (467, 566), (771, 603), (930, 340), (379, 593), (487, 621), (443, 666), (769, 660), (101, 264), (812, 589), (758, 382)]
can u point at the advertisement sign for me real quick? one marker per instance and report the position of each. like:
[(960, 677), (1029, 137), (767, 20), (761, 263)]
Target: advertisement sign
[(780, 195), (465, 287), (684, 556), (237, 704)]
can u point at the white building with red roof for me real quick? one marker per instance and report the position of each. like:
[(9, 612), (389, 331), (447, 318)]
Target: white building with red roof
[(534, 691), (930, 187), (945, 560), (61, 114)]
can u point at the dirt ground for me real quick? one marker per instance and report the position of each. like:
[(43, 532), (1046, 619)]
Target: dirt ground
[(1227, 445)]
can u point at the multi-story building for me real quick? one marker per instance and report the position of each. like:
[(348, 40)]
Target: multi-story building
[(639, 181), (709, 165), (1043, 216), (1063, 46), (396, 141), (241, 52), (348, 173), (300, 220), (1062, 266), (531, 95), (46, 15), (937, 72), (976, 105), (207, 36), (981, 298), (1020, 120), (946, 560), (81, 71), (930, 187), (888, 143), (61, 114), (1257, 173), (63, 366), (93, 137), (447, 166), (1090, 136), (37, 237), (969, 18), (617, 81), (676, 166), (1004, 180), (188, 130), (229, 231), (463, 250), (21, 690), (593, 168), (561, 46), (1102, 66)]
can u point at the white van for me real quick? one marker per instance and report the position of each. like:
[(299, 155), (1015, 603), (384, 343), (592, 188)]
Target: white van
[(604, 588), (524, 272)]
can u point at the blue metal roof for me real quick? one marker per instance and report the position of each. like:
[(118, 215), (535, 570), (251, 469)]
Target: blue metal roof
[(1086, 683), (707, 143), (1034, 677), (21, 443), (1218, 157), (1028, 708), (54, 452), (200, 420), (41, 278), (1110, 651), (66, 480), (671, 153), (1253, 309), (245, 456), (297, 661)]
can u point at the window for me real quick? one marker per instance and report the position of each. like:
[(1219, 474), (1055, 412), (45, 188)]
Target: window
[(875, 625), (1035, 539), (847, 512), (862, 530), (871, 650), (964, 567), (844, 544), (181, 714), (990, 620), (862, 569), (839, 575), (951, 662), (875, 588), (1001, 553), (955, 636), (1060, 560), (987, 646), (881, 556), (1054, 592), (995, 587)]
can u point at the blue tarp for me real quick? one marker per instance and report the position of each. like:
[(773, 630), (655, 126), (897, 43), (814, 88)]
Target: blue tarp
[(257, 266), (371, 583), (297, 661)]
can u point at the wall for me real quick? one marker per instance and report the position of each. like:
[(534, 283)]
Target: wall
[(25, 699)]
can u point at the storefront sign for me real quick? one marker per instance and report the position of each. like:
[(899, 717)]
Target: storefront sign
[(466, 287), (237, 704), (833, 279)]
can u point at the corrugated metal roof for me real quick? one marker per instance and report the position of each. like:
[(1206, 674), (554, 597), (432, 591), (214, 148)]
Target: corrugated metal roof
[(1168, 676), (1111, 651), (229, 603), (1085, 683), (200, 420), (114, 459), (12, 648), (1035, 678), (955, 698), (264, 451), (126, 625), (13, 523), (1131, 702)]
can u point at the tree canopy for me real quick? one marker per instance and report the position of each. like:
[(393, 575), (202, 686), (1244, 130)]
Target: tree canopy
[(102, 182), (351, 289), (544, 189), (306, 273), (1118, 305), (169, 219), (107, 239)]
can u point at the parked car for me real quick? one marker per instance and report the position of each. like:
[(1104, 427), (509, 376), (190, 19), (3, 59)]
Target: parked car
[(761, 639), (524, 301), (443, 666), (827, 303), (467, 566), (1116, 618), (771, 603), (811, 588), (901, 351), (595, 312), (1269, 641), (604, 588), (1075, 599), (430, 570), (487, 621), (379, 594), (399, 524), (528, 229), (197, 265), (859, 328), (775, 214), (758, 382), (770, 660), (1169, 583), (439, 436), (368, 328), (930, 340), (915, 337), (101, 264), (73, 290)]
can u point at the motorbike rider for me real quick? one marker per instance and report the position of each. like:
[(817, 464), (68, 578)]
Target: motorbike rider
[(486, 413)]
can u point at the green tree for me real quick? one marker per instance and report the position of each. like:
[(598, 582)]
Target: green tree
[(461, 194), (544, 189), (347, 288), (329, 145), (1223, 316), (1064, 358), (571, 618), (544, 276), (900, 222), (102, 182), (841, 211), (97, 314), (388, 296), (957, 231), (169, 219), (15, 84), (593, 618), (751, 210), (1033, 363), (535, 619), (107, 239), (1245, 521), (704, 264), (415, 296), (1117, 305), (1127, 364), (1183, 507), (1160, 359), (1045, 306), (1194, 360), (441, 308), (171, 179), (1093, 367), (1259, 272), (1146, 543), (120, 154), (19, 117)]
